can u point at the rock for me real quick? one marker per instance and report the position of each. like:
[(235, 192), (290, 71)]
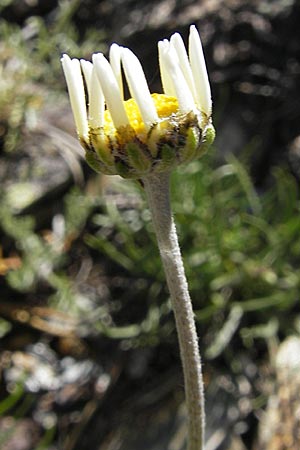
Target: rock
[(280, 425)]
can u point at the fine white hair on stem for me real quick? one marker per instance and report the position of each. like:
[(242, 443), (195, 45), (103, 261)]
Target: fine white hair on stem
[(115, 62), (73, 75), (183, 93), (199, 70), (110, 90), (138, 87)]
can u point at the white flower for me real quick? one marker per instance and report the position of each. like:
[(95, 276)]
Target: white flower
[(113, 130), (185, 75), (74, 80)]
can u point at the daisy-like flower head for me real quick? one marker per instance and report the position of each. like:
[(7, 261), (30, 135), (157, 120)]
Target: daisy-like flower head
[(149, 132)]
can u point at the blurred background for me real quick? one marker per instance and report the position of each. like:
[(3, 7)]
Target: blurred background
[(88, 352)]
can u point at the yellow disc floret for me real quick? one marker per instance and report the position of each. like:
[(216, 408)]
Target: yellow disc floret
[(136, 150), (165, 107)]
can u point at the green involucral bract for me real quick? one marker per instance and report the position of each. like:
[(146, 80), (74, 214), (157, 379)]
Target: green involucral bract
[(172, 142)]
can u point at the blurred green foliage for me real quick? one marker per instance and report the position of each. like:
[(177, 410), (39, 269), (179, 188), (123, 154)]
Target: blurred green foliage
[(241, 252), (30, 61), (241, 247)]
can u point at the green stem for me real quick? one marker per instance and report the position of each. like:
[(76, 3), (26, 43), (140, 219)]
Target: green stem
[(157, 191)]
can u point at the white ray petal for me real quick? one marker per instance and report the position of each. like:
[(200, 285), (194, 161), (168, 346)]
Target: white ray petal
[(110, 90), (138, 87), (199, 72), (115, 62), (87, 68), (178, 44), (96, 106), (183, 93), (96, 97), (166, 80), (75, 85)]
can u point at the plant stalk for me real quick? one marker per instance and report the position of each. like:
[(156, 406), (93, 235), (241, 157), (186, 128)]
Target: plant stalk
[(158, 195)]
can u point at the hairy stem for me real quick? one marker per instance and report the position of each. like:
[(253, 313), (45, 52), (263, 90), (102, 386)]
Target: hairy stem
[(157, 191)]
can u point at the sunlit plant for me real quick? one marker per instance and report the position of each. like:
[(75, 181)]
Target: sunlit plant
[(144, 138)]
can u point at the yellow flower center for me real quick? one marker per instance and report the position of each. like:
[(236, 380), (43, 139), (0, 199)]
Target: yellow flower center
[(165, 107)]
